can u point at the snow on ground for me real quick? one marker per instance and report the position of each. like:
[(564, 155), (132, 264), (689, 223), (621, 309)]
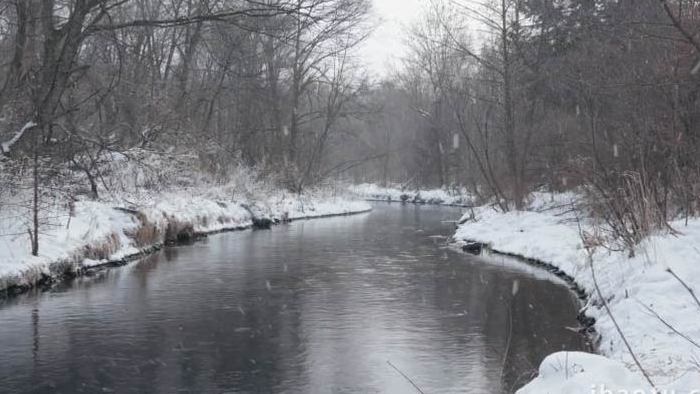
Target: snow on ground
[(580, 373), (657, 314), (373, 192), (138, 210)]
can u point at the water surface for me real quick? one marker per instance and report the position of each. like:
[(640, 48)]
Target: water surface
[(319, 306)]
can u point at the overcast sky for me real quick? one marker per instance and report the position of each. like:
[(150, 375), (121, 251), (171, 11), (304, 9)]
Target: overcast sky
[(385, 47)]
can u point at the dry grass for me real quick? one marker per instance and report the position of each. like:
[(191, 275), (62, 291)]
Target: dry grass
[(203, 220), (71, 266), (147, 234), (223, 219), (63, 268), (627, 208), (101, 250)]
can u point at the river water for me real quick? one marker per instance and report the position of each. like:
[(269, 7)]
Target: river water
[(338, 305)]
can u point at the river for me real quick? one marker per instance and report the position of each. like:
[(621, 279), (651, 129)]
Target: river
[(338, 305)]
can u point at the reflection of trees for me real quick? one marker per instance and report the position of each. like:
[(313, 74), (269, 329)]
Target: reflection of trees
[(171, 254), (540, 314), (215, 326), (257, 328), (35, 334), (478, 293)]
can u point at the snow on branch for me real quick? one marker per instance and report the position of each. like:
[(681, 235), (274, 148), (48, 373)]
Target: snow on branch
[(6, 146)]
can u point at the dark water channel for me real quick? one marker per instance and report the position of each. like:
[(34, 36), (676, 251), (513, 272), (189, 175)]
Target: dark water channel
[(318, 306)]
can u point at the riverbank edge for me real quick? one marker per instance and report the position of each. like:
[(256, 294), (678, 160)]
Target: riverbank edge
[(476, 247), (45, 282), (441, 204), (587, 329), (638, 301), (442, 197)]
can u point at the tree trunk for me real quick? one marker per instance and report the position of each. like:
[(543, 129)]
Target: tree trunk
[(34, 233), (509, 126)]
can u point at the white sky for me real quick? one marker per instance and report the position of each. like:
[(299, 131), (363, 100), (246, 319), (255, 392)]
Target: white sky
[(385, 46)]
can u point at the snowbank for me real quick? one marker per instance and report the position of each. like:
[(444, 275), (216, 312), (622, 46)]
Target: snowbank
[(581, 373), (142, 206), (373, 192), (658, 315)]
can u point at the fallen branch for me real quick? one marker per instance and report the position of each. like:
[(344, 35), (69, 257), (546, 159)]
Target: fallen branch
[(6, 146)]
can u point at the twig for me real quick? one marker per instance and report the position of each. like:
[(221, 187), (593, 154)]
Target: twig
[(696, 362), (405, 377), (690, 290), (679, 26), (667, 324)]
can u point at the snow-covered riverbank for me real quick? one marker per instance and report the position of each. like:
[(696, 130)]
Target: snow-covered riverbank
[(144, 203), (372, 192), (100, 232), (646, 294)]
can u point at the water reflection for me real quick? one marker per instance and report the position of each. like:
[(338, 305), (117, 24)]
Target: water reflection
[(314, 307)]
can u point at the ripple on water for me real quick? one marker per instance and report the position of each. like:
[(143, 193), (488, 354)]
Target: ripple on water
[(315, 307)]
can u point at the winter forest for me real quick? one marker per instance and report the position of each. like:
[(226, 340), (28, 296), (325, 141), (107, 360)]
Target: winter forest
[(551, 94), (565, 133)]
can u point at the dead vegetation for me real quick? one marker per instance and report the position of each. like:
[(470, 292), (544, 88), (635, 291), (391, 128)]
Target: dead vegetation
[(147, 233)]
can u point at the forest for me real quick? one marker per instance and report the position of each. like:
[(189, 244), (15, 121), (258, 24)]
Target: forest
[(501, 97), (594, 96)]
